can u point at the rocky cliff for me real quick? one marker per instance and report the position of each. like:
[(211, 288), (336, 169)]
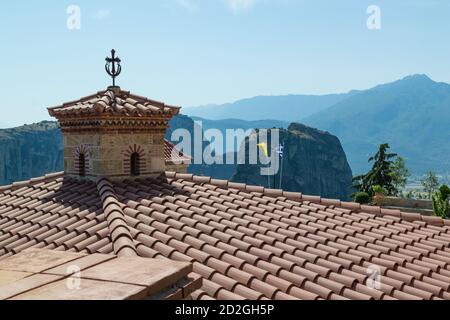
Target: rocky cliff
[(30, 151), (314, 163)]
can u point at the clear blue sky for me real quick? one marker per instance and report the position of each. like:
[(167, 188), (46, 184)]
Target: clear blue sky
[(194, 52)]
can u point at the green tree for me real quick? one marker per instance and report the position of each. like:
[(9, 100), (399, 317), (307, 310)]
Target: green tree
[(441, 202), (380, 174), (399, 173), (430, 183)]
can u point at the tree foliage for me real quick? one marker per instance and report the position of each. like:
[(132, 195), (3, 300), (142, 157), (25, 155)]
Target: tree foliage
[(399, 173), (377, 189), (440, 202), (381, 173), (430, 183)]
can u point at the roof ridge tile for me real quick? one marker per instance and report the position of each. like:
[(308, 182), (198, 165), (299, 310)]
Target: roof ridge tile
[(122, 241)]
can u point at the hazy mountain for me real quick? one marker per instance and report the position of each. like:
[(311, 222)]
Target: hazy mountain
[(286, 108), (224, 124), (412, 114)]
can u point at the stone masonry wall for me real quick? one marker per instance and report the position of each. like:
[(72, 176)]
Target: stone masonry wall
[(108, 154)]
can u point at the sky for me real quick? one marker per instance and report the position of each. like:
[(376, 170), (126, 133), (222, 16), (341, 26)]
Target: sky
[(198, 52)]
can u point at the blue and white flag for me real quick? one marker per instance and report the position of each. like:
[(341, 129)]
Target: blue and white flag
[(280, 150)]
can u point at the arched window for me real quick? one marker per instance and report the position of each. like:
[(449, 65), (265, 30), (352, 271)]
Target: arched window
[(135, 164), (82, 165)]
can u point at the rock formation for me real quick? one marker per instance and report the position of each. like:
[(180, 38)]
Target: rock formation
[(30, 151), (313, 163)]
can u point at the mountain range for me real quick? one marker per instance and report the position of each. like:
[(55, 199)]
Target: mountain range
[(411, 114), (292, 107)]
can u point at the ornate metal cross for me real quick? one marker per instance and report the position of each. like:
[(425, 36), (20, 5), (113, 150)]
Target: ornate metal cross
[(113, 67)]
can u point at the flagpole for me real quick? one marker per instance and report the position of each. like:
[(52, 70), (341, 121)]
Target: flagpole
[(280, 152), (281, 171), (268, 168)]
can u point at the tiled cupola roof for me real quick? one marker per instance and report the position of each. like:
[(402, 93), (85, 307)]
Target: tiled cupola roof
[(245, 242), (114, 102)]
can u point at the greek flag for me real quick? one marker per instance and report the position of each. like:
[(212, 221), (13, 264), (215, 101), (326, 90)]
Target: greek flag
[(280, 150)]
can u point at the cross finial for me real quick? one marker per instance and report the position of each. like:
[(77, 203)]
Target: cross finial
[(113, 67)]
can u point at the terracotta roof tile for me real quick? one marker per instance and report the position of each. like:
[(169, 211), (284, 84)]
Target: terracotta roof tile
[(247, 242), (112, 102)]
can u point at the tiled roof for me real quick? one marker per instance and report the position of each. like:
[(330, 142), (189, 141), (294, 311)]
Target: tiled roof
[(114, 103), (246, 242)]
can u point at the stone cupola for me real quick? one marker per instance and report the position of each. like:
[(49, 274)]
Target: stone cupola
[(114, 134)]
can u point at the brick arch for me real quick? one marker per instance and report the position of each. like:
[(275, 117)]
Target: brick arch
[(127, 158), (82, 149)]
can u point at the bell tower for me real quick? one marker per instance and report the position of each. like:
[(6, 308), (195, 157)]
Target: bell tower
[(113, 133)]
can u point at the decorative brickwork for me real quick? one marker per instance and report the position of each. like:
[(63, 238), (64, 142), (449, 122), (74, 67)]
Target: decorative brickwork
[(82, 160), (128, 154)]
